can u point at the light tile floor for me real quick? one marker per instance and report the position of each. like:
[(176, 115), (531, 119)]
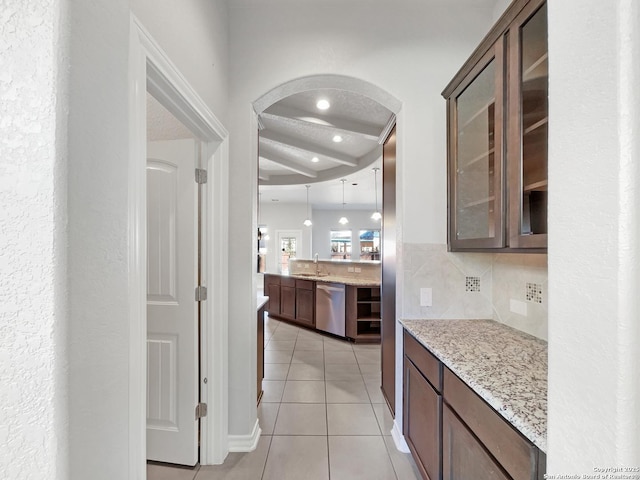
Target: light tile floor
[(322, 416)]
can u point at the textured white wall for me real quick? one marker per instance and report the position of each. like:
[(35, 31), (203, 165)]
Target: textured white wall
[(98, 250), (411, 50), (594, 240), (33, 309)]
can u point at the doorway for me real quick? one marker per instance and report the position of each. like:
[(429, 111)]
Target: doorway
[(173, 274), (153, 72), (270, 108)]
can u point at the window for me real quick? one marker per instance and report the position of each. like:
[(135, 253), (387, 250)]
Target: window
[(340, 244), (369, 244)]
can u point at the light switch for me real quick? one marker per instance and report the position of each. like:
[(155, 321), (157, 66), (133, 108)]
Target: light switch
[(426, 297), (357, 269), (349, 269)]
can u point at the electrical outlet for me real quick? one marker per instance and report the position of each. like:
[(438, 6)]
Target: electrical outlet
[(350, 269), (306, 265), (357, 269), (426, 297), (516, 306)]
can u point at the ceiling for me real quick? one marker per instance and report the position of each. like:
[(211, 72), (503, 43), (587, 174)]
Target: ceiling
[(294, 131)]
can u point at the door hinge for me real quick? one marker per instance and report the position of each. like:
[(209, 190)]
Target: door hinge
[(201, 410), (201, 293), (201, 175)]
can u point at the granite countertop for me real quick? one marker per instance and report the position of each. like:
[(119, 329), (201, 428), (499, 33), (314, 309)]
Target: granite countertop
[(358, 282), (504, 366), (262, 300)]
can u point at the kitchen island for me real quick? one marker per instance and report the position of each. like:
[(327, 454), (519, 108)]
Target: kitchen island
[(483, 388), (301, 298)]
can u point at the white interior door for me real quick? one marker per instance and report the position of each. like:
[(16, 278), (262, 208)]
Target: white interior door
[(172, 323)]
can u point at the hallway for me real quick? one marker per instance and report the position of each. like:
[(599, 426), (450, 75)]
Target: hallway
[(322, 416)]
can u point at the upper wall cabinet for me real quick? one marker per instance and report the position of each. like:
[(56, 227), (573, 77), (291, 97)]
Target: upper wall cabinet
[(497, 115)]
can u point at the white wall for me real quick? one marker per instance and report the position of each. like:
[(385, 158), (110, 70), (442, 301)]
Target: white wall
[(326, 220), (194, 34), (594, 235), (98, 211), (33, 312), (411, 50)]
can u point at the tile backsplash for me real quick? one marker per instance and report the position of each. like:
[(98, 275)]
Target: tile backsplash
[(476, 285)]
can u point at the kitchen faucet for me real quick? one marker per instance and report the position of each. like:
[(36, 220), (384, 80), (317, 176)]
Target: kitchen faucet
[(315, 260)]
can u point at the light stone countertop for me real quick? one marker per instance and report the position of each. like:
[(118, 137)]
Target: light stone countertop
[(504, 366), (358, 282), (262, 300)]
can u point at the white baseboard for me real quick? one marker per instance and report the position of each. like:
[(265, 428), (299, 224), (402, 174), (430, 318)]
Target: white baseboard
[(398, 439), (245, 443)]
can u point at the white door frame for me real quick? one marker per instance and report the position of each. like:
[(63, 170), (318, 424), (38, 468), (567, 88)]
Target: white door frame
[(151, 70), (286, 233)]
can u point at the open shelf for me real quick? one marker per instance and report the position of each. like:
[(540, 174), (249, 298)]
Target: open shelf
[(363, 314)]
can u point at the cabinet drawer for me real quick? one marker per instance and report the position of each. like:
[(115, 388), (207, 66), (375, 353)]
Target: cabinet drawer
[(428, 365), (272, 280), (304, 284), (514, 452), (287, 282)]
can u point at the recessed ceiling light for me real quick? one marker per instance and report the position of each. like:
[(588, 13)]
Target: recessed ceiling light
[(337, 138), (323, 104), (315, 159)]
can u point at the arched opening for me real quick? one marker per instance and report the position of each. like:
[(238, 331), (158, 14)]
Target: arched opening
[(385, 139)]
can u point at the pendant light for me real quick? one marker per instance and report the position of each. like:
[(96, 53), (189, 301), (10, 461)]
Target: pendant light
[(377, 216), (343, 220), (307, 222)]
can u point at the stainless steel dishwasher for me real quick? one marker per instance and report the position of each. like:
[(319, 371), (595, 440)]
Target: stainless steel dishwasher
[(330, 308)]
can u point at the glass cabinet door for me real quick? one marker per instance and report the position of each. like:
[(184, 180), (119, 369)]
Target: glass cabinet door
[(476, 142), (528, 103)]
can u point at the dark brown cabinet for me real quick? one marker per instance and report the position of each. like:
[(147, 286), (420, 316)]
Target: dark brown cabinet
[(291, 299), (305, 302), (272, 290), (497, 126), (363, 315), (464, 457), (452, 433), (288, 298), (260, 351), (423, 407)]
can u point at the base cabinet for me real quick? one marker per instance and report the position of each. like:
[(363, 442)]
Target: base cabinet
[(464, 457), (272, 290), (422, 413), (305, 303), (288, 301), (363, 315), (453, 434), (260, 352), (291, 299)]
